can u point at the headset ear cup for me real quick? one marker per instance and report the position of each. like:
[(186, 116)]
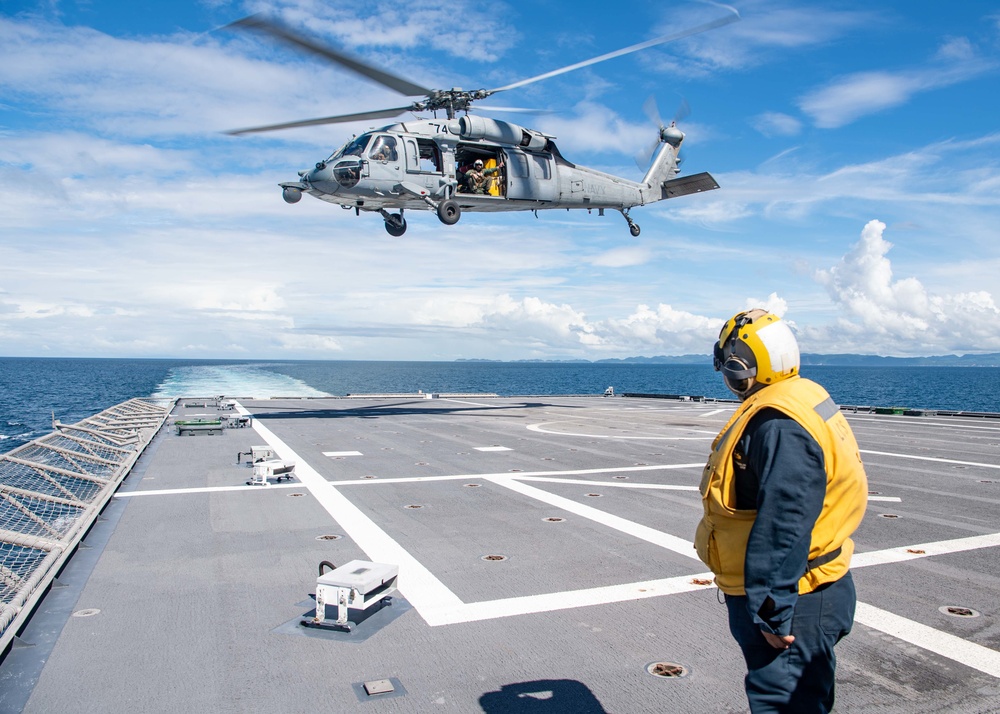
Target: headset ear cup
[(738, 375), (739, 386)]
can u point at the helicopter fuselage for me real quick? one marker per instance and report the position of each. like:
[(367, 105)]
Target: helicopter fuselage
[(481, 165)]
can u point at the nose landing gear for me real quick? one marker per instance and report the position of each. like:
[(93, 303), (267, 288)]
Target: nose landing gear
[(395, 224)]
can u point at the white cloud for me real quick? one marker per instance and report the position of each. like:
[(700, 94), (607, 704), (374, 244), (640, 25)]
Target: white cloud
[(597, 128), (853, 96), (130, 227), (889, 316), (707, 212), (315, 345), (474, 31), (527, 319), (663, 329), (533, 322), (766, 28), (926, 186), (956, 48), (80, 78), (776, 124), (849, 98), (623, 257), (772, 303)]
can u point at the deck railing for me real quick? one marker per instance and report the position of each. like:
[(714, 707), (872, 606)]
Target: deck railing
[(51, 491)]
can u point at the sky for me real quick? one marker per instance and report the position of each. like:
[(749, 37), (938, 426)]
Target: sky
[(857, 146)]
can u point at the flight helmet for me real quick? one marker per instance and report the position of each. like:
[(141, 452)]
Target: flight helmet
[(755, 349), (478, 163)]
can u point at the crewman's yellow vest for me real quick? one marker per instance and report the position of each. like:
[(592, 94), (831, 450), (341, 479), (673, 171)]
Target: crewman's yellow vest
[(721, 539)]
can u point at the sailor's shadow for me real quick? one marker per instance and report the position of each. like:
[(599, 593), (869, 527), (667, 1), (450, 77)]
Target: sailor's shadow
[(542, 696)]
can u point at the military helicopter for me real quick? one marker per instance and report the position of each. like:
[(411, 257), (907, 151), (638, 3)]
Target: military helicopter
[(469, 162)]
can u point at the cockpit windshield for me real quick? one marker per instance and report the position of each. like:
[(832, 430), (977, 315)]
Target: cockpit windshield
[(355, 147)]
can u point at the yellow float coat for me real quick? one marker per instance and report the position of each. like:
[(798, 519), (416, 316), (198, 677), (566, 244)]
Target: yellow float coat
[(721, 538)]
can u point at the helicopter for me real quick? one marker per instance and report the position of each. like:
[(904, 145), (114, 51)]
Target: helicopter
[(471, 162)]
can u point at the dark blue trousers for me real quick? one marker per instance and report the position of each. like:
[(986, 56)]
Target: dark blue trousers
[(799, 680)]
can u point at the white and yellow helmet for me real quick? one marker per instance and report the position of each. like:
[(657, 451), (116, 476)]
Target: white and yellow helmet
[(755, 349)]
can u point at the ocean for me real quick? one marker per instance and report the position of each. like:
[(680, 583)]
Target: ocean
[(32, 389)]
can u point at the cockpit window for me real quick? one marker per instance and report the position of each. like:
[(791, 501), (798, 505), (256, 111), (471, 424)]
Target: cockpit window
[(355, 147), (348, 172), (384, 149)]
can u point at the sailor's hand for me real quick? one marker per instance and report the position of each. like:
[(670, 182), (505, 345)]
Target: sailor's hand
[(777, 641)]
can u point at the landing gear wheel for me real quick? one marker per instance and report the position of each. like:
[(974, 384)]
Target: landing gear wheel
[(449, 212), (633, 227), (395, 225)]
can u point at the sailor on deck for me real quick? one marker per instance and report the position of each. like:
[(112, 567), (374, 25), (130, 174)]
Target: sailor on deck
[(783, 490)]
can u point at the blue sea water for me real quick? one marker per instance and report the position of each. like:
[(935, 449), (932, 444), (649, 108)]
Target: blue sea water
[(31, 389)]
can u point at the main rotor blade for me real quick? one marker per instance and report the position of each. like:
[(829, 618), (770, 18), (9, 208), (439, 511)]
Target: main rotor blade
[(380, 114), (279, 31), (628, 50), (514, 110)]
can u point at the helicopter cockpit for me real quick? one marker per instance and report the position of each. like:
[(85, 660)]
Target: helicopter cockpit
[(346, 161), (355, 147), (384, 149)]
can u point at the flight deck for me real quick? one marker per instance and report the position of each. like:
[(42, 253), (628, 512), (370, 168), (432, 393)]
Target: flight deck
[(544, 554)]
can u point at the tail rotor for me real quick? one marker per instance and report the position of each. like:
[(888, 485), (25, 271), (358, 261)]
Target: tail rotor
[(666, 134)]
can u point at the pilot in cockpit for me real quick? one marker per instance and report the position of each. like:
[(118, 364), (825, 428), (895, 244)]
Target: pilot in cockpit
[(384, 149)]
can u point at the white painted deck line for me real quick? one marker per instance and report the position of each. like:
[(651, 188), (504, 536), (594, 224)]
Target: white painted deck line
[(549, 602), (525, 475), (540, 429), (947, 645), (603, 484), (342, 453), (439, 606), (931, 458), (475, 404), (205, 489), (492, 448), (950, 425), (650, 535), (416, 582), (924, 550), (549, 477), (713, 412)]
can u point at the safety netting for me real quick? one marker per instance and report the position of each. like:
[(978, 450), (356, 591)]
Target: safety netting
[(51, 491)]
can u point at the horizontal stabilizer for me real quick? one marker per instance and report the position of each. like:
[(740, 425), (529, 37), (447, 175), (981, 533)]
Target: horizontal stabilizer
[(688, 184)]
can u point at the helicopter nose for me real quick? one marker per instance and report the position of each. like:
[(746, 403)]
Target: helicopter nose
[(321, 174), (321, 177)]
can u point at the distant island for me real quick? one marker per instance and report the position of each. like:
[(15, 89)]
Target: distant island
[(840, 360)]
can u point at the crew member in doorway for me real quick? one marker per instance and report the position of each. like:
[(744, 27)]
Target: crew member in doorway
[(783, 490), (478, 179)]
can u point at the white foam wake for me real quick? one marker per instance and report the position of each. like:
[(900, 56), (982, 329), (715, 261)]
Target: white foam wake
[(232, 380)]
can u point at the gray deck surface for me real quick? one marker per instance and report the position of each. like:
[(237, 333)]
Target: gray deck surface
[(199, 590)]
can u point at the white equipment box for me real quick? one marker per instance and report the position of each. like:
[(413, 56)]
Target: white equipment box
[(271, 468), (358, 584), (261, 453)]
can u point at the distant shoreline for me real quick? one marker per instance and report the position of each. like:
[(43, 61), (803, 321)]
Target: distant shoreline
[(810, 360)]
